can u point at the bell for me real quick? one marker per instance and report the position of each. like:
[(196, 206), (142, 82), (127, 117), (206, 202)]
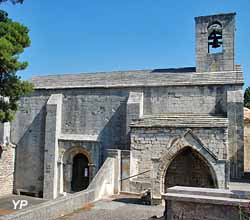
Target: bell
[(215, 39), (215, 43)]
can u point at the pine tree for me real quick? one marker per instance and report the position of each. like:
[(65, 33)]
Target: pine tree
[(13, 39)]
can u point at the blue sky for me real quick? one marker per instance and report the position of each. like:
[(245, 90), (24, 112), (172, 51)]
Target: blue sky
[(97, 35)]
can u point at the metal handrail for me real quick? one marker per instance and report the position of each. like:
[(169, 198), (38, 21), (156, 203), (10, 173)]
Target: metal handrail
[(135, 175)]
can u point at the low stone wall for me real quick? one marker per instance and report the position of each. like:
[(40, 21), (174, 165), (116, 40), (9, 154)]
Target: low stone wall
[(54, 208), (246, 140), (188, 203), (7, 161), (103, 182), (102, 185)]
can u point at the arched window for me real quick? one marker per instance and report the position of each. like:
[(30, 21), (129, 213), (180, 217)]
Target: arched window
[(215, 43)]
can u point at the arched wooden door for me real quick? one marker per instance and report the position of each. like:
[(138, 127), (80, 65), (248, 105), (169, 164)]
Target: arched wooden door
[(189, 169), (80, 174)]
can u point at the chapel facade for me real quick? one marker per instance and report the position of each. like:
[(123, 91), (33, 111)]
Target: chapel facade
[(178, 126)]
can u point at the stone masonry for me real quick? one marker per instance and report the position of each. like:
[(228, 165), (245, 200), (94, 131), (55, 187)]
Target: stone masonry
[(188, 203), (246, 140), (151, 117), (7, 158)]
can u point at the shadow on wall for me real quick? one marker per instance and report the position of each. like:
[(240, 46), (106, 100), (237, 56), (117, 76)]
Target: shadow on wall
[(220, 108), (30, 156), (113, 135)]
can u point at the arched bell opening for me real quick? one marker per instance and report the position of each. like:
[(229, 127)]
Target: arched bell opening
[(189, 168), (215, 39)]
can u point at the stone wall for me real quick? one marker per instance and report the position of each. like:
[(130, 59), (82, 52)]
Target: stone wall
[(51, 152), (7, 160), (95, 111), (247, 148), (99, 112), (104, 113), (224, 60), (188, 203), (235, 117), (247, 140), (55, 208), (28, 134), (153, 149), (7, 170), (104, 184), (186, 99)]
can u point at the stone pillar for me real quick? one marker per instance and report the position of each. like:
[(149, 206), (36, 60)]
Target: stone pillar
[(134, 109), (60, 164), (52, 132), (5, 133), (92, 168), (67, 174), (7, 160), (235, 133), (116, 154), (247, 140), (125, 170)]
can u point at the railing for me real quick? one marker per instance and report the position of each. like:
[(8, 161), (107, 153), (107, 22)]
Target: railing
[(135, 175)]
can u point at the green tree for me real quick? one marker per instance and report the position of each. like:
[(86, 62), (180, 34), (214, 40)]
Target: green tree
[(13, 39), (247, 97)]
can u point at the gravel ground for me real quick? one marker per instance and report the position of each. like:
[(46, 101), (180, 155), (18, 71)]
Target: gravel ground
[(126, 207), (118, 209)]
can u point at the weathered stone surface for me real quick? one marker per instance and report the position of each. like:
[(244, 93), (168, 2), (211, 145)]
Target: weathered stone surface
[(188, 203), (51, 152), (246, 140), (140, 78), (55, 208), (207, 61), (7, 159), (168, 110), (155, 148)]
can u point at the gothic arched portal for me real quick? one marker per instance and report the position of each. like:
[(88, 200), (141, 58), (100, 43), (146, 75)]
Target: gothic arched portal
[(188, 168)]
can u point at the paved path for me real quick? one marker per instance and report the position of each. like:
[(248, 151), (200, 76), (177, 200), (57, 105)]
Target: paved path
[(7, 206), (244, 186), (126, 207), (116, 209)]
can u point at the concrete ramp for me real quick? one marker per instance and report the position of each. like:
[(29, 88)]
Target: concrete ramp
[(103, 183)]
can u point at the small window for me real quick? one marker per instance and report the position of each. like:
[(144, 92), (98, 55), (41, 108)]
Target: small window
[(215, 43)]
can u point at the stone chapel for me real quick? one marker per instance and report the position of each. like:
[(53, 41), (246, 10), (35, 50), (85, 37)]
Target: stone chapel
[(173, 126)]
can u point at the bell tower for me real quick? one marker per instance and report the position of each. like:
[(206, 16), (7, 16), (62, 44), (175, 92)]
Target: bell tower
[(215, 42)]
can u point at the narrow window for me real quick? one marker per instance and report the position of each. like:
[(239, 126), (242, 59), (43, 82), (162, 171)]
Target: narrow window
[(215, 43)]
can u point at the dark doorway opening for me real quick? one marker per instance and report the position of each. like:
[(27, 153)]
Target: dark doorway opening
[(80, 174), (1, 151), (189, 169)]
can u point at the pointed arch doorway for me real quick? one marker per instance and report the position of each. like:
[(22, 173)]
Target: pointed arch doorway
[(80, 173), (189, 168)]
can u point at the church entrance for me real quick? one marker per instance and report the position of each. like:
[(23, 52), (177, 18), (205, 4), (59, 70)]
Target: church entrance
[(189, 169), (80, 173)]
